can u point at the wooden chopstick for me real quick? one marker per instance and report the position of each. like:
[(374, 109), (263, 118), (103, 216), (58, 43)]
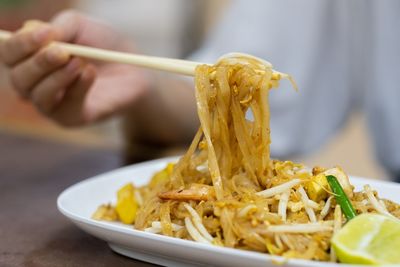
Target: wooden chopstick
[(178, 66)]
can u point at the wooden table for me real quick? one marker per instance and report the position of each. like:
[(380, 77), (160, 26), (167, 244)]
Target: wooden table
[(33, 233)]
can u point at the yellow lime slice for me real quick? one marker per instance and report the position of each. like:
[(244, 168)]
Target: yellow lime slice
[(369, 239)]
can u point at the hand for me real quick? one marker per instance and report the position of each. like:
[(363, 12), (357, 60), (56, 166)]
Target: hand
[(68, 89)]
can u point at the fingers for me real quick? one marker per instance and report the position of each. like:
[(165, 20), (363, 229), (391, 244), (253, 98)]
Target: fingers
[(26, 42), (36, 34), (47, 94), (27, 74), (45, 74), (77, 93), (73, 109)]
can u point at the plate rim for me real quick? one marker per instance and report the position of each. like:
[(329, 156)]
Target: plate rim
[(180, 242)]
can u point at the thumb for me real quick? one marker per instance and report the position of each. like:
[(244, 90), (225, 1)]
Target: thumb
[(67, 24), (75, 27)]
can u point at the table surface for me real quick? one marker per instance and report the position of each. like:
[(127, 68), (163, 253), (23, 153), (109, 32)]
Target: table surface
[(33, 173)]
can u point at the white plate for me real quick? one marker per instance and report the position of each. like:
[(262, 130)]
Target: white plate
[(79, 201)]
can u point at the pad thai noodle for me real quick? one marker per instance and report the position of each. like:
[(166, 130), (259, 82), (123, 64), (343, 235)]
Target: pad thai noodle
[(227, 191)]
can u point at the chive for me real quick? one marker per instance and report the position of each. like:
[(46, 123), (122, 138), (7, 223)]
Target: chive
[(341, 197)]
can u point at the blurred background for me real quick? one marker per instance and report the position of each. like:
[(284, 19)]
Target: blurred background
[(171, 28)]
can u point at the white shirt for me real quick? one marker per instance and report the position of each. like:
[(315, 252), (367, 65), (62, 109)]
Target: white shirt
[(343, 54)]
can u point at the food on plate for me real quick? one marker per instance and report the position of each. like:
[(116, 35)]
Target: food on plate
[(227, 191)]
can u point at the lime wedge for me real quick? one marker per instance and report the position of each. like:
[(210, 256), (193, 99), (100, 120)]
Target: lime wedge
[(368, 239)]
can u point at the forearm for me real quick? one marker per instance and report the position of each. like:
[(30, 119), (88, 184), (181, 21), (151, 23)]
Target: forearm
[(165, 116)]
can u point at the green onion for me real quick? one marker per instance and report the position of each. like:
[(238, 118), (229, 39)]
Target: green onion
[(341, 197)]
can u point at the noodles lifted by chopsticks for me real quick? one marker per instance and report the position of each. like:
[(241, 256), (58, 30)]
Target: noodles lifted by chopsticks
[(231, 145), (227, 191)]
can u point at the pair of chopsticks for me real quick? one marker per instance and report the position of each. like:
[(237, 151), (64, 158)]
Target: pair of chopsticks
[(178, 66)]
